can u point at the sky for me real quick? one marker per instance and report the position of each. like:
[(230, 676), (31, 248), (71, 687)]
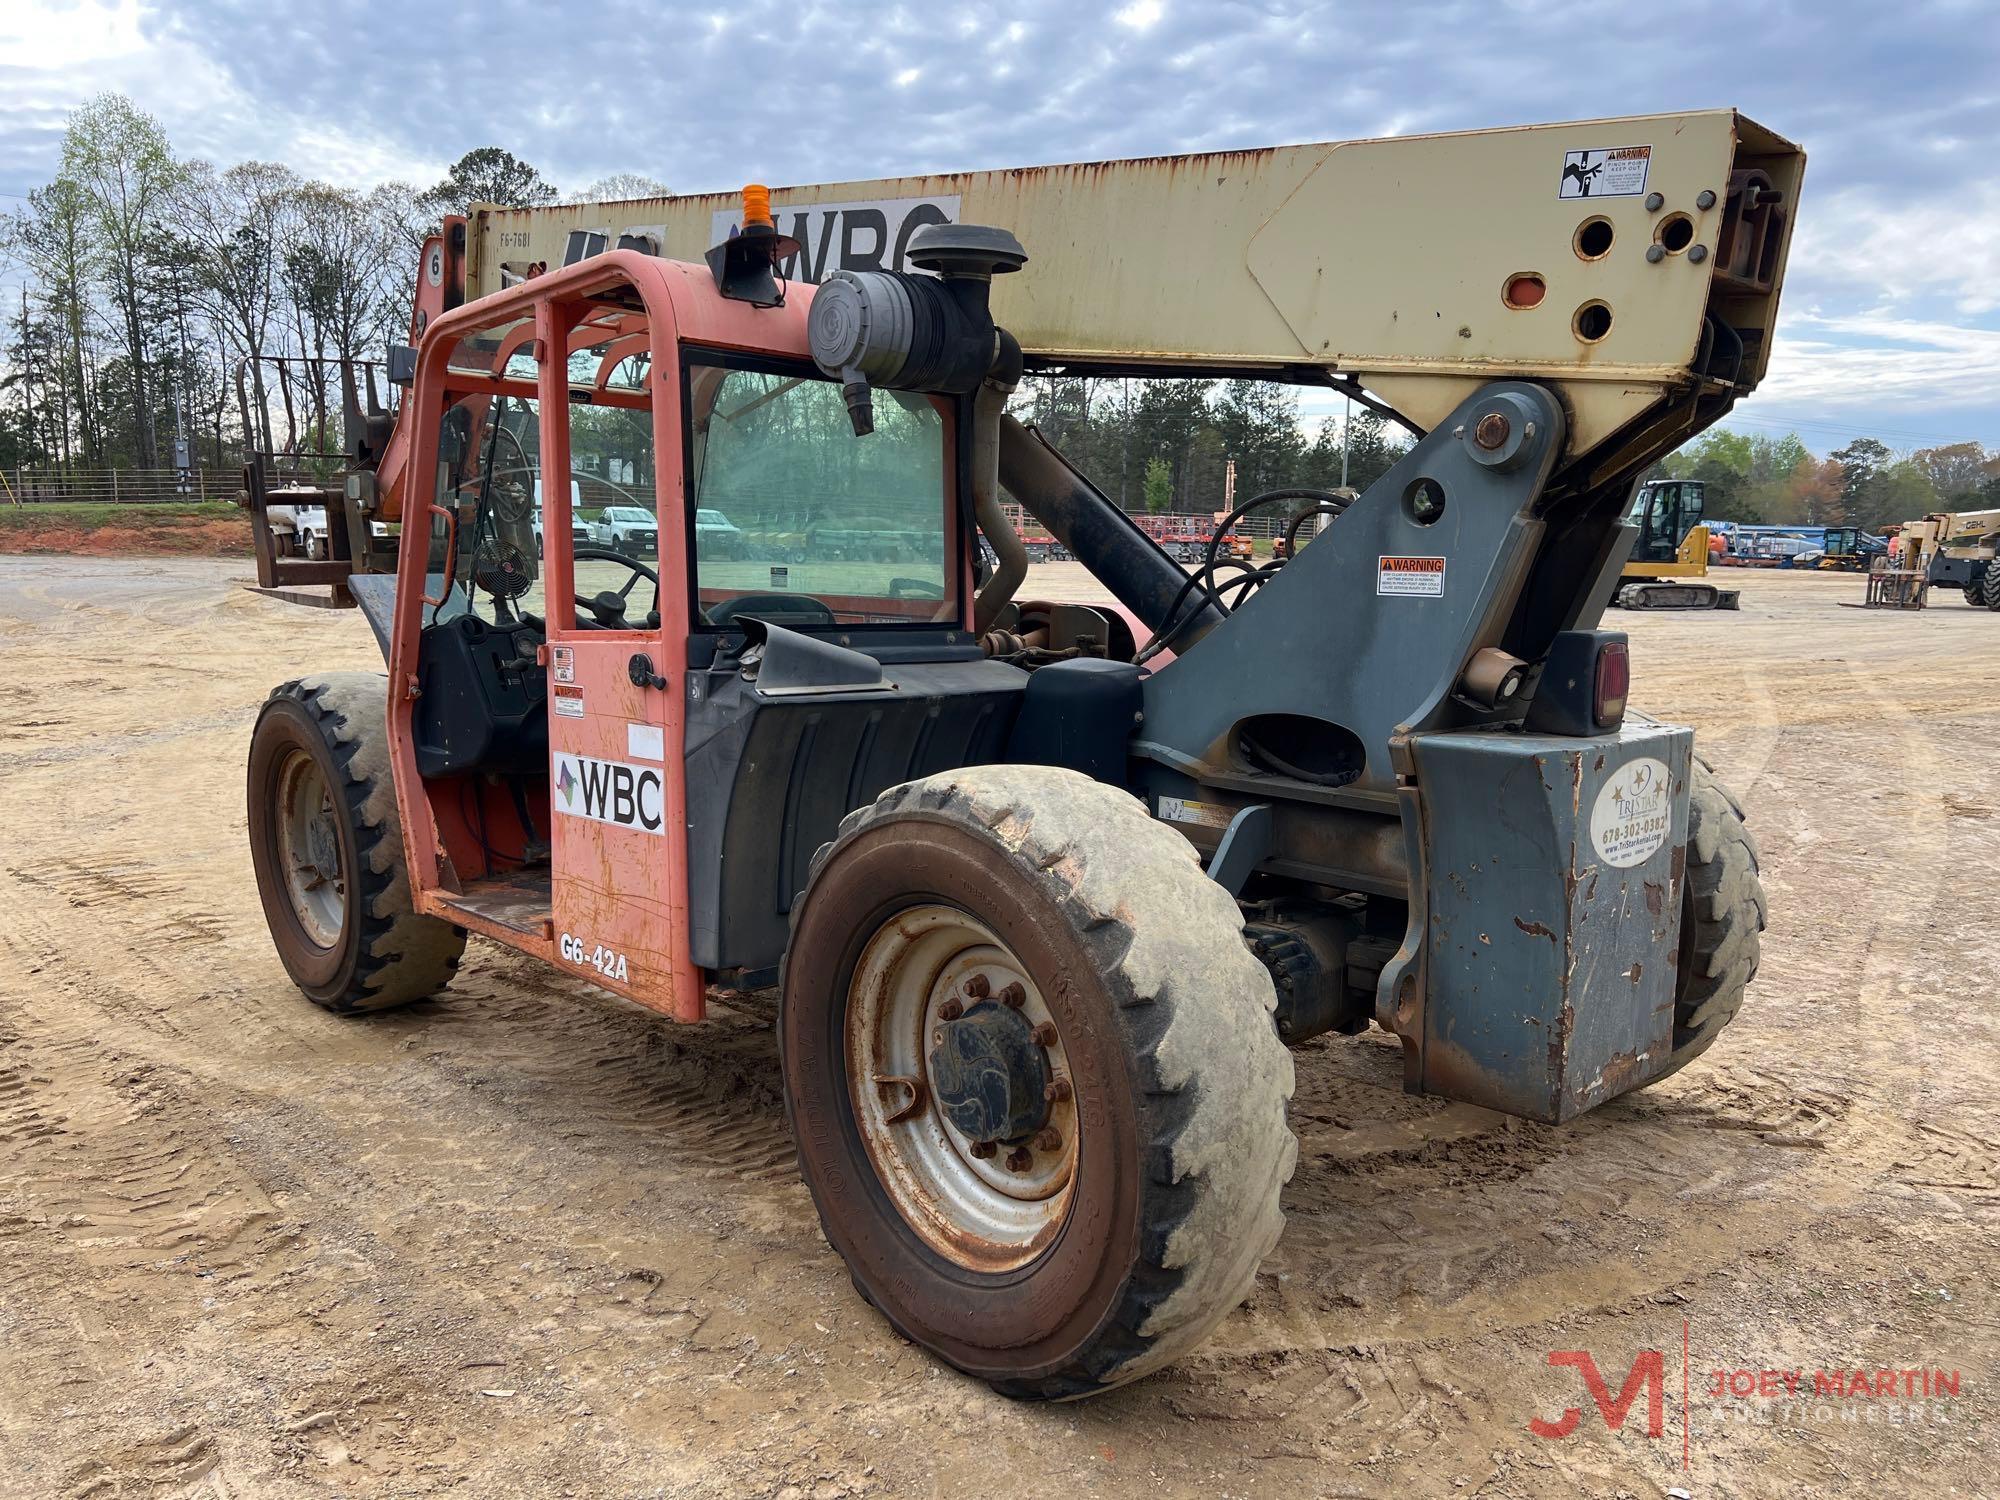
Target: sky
[(1891, 318)]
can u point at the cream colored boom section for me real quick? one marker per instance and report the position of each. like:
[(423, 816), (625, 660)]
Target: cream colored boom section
[(1388, 260)]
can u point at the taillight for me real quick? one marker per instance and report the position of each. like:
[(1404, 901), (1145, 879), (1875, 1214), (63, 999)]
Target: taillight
[(1614, 684)]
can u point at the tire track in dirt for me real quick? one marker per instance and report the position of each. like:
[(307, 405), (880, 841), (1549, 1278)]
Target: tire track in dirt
[(608, 1077), (127, 1169), (531, 1186), (172, 1462)]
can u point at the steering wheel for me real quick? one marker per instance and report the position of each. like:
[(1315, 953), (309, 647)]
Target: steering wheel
[(607, 606)]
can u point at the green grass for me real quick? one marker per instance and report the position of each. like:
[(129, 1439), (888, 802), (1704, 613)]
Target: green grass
[(138, 517)]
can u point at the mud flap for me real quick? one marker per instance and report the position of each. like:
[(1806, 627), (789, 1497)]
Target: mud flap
[(1537, 977)]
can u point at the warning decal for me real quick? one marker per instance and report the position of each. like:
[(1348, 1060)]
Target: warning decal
[(1201, 814), (566, 700), (1412, 577), (1608, 172)]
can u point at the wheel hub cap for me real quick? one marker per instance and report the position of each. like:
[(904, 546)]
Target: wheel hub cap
[(990, 1078), (961, 1088)]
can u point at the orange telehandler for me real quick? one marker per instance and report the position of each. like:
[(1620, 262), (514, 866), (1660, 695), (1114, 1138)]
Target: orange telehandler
[(1045, 889)]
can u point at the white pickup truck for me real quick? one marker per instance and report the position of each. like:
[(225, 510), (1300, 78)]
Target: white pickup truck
[(626, 528)]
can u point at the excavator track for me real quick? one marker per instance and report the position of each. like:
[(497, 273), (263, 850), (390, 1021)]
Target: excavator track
[(1663, 596)]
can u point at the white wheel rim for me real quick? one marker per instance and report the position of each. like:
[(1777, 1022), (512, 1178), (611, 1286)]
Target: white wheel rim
[(973, 1210), (309, 849)]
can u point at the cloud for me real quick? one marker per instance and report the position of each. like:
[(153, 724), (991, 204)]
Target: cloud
[(78, 50), (1877, 248), (1880, 362)]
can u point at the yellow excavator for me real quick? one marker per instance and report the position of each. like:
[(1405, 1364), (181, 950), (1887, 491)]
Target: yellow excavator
[(1669, 564)]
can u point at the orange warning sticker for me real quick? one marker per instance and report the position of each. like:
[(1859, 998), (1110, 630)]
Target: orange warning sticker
[(1412, 577)]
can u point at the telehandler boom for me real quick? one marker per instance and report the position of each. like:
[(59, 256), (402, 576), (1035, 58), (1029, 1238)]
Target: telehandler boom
[(1045, 888)]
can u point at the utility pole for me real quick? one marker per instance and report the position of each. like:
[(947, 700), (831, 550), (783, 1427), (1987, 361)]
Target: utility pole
[(1346, 434), (1125, 445), (183, 452), (27, 366)]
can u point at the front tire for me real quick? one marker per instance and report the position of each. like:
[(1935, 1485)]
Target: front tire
[(1097, 1239), (327, 845), (1990, 586), (1722, 919)]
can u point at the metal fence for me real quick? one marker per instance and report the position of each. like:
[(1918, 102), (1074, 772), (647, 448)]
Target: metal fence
[(116, 486)]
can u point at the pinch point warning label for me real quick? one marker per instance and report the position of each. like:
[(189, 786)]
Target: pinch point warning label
[(1605, 172), (1412, 577)]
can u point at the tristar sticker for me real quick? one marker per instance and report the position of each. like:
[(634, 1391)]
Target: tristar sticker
[(566, 784)]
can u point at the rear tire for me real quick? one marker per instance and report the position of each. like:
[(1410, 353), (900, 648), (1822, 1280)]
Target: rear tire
[(1990, 586), (1722, 916), (328, 849), (1136, 962)]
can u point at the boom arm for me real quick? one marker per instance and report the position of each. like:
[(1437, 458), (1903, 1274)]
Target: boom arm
[(1633, 263)]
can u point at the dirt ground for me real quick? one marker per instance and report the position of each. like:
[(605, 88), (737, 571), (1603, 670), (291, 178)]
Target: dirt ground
[(215, 529), (528, 1240)]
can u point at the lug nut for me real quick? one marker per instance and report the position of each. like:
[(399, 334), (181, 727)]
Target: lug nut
[(1014, 996), (951, 1010), (1020, 1159), (1048, 1139), (1058, 1090), (977, 986), (983, 1149), (1491, 431), (1044, 1033)]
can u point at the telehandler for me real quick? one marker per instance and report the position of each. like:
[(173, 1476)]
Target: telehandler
[(1046, 889)]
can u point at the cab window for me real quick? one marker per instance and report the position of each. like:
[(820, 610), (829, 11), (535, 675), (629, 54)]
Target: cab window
[(489, 477), (784, 500)]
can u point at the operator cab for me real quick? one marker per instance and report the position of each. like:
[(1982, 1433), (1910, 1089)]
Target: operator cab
[(603, 737), (1665, 510)]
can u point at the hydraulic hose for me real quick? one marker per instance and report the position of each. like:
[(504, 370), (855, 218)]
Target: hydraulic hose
[(1097, 533)]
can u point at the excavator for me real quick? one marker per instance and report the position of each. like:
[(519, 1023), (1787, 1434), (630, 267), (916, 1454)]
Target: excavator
[(1039, 893), (1670, 556)]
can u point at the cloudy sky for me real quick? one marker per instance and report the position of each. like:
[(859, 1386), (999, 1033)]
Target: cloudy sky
[(1892, 315)]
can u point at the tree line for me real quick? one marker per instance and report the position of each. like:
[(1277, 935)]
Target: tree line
[(1762, 480), (1166, 445), (152, 278)]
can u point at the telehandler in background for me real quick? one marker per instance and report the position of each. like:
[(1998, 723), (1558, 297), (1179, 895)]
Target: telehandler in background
[(1046, 889), (1956, 549)]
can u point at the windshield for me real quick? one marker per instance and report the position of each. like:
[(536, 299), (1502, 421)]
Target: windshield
[(799, 519)]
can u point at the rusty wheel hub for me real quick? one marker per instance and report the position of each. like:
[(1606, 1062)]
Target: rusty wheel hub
[(960, 1086), (309, 849)]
